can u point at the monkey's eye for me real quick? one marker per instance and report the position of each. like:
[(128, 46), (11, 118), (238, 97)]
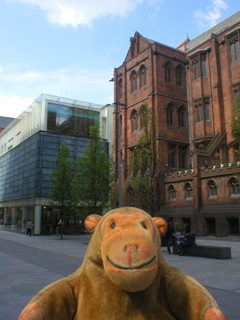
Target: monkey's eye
[(112, 225), (144, 225)]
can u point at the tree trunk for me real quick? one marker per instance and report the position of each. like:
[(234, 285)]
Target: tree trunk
[(61, 222)]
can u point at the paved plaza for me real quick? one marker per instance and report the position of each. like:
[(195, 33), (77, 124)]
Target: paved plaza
[(27, 264)]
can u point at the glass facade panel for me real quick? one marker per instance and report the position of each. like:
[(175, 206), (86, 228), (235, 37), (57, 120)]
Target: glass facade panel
[(70, 120), (65, 120), (52, 117)]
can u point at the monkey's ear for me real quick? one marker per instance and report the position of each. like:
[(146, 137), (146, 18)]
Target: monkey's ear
[(91, 222), (161, 225)]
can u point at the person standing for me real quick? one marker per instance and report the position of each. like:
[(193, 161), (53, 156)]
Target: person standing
[(29, 228), (187, 242), (170, 235)]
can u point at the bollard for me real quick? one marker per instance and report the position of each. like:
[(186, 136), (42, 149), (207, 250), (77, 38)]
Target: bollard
[(56, 231)]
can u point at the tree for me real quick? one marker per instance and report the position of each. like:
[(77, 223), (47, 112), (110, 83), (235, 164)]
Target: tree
[(63, 192), (236, 125), (94, 174), (148, 181)]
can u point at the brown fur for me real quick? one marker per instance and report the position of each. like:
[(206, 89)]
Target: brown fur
[(124, 276)]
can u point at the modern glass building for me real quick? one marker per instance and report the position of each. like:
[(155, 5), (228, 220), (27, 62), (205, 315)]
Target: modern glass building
[(28, 150)]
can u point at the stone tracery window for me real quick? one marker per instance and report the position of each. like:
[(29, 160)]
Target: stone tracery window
[(168, 72), (236, 89), (143, 76), (212, 186), (234, 186), (196, 69), (134, 120), (198, 109), (181, 114), (120, 88), (171, 155), (130, 195), (206, 109), (169, 108), (143, 116), (188, 190), (203, 66), (133, 80), (182, 156), (179, 75), (234, 48), (172, 193)]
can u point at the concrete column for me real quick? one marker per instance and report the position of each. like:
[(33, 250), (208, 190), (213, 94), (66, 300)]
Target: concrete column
[(37, 220), (13, 218), (24, 219), (5, 216)]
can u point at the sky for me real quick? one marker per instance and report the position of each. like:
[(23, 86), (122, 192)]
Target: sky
[(69, 48)]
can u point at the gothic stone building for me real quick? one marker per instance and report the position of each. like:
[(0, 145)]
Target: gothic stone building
[(194, 109), (153, 75)]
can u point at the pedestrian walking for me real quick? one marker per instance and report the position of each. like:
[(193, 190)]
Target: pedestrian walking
[(170, 235), (188, 241), (29, 228)]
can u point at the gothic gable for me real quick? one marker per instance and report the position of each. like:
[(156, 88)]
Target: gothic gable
[(137, 44)]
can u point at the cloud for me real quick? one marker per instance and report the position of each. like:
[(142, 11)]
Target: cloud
[(75, 82), (83, 12), (214, 13), (13, 106)]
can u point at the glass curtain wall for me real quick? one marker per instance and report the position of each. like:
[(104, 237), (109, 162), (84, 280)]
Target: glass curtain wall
[(70, 120)]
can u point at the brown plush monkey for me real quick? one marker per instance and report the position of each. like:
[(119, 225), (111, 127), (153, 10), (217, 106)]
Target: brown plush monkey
[(124, 276)]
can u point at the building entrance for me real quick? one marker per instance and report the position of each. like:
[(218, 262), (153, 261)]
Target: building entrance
[(233, 226), (211, 226)]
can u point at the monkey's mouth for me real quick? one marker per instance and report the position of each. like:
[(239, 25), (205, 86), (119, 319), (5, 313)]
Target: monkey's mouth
[(131, 268)]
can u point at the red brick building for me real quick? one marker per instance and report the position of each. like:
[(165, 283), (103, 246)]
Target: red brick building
[(153, 75), (201, 186)]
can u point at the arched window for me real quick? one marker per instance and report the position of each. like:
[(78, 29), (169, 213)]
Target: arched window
[(188, 190), (120, 88), (196, 69), (172, 193), (170, 113), (204, 67), (134, 120), (234, 48), (133, 81), (182, 156), (181, 122), (143, 76), (179, 75), (171, 155), (130, 195), (168, 72), (234, 186), (143, 116), (212, 188)]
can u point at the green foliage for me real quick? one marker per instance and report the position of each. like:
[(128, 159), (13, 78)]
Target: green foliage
[(94, 174), (63, 192), (147, 179), (236, 125), (178, 224)]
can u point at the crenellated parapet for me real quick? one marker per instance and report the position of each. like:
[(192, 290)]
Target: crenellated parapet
[(221, 170), (180, 175)]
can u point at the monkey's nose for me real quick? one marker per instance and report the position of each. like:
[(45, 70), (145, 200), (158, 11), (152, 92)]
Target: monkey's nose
[(131, 247)]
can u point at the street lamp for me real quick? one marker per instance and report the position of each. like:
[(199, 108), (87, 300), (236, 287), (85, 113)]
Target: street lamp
[(119, 155)]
